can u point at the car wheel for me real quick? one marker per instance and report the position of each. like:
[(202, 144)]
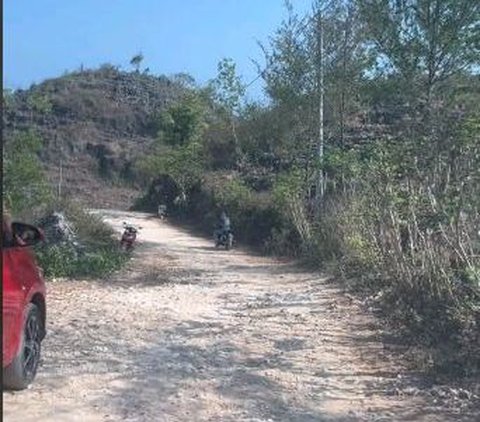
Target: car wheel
[(21, 372)]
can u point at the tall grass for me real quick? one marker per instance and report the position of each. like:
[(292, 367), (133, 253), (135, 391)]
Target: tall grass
[(409, 235)]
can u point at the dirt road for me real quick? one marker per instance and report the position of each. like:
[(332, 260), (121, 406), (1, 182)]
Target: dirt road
[(188, 333)]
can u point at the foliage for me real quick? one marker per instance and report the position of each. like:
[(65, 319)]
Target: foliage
[(407, 227), (8, 99), (183, 122), (27, 195), (62, 261), (288, 197), (227, 90), (288, 73), (185, 164), (253, 215), (434, 39), (227, 87), (39, 102), (99, 255), (180, 149), (136, 61), (233, 194), (24, 184), (184, 79)]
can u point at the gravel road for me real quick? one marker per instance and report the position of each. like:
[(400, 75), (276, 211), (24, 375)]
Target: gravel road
[(190, 333)]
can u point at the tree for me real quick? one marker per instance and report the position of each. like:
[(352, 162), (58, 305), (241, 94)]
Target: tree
[(347, 61), (314, 70), (179, 149), (229, 90), (24, 185), (185, 164), (183, 122), (288, 64), (289, 76), (136, 61), (426, 41), (185, 80)]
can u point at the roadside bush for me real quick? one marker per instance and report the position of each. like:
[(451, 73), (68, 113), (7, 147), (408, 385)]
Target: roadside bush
[(98, 254), (64, 261), (289, 200), (408, 235), (234, 197), (283, 241)]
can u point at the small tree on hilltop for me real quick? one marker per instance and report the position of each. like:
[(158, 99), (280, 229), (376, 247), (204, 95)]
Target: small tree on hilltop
[(136, 61)]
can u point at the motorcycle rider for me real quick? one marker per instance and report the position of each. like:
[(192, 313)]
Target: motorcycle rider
[(129, 236), (225, 222), (223, 225)]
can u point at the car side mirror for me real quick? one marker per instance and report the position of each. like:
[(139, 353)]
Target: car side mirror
[(26, 234)]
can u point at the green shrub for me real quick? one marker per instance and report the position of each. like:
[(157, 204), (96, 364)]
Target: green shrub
[(233, 194), (283, 241), (99, 252), (56, 260), (24, 184), (63, 261), (289, 199)]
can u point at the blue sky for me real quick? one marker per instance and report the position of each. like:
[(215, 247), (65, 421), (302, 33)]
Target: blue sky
[(44, 38)]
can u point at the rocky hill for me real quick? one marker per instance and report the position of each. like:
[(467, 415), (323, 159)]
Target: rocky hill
[(93, 123)]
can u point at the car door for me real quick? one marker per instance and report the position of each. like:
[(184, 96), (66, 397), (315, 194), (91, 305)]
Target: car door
[(15, 269)]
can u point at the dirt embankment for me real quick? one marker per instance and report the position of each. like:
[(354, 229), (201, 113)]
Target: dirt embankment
[(189, 333)]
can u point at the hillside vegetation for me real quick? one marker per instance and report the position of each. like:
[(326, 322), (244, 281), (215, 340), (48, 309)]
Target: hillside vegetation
[(92, 125), (364, 160)]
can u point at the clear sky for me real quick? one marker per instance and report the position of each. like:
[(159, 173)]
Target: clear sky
[(44, 38)]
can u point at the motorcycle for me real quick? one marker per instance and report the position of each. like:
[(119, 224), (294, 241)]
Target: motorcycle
[(129, 236), (223, 238)]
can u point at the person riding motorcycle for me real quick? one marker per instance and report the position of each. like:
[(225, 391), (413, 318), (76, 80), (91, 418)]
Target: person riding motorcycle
[(223, 225), (129, 236)]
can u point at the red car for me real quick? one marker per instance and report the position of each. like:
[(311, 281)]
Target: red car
[(24, 310)]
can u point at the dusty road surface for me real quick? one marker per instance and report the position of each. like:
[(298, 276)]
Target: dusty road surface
[(189, 333)]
